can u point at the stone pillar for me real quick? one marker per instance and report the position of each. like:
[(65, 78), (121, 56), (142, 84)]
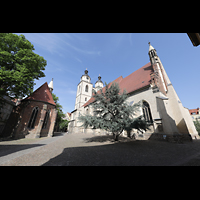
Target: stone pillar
[(53, 121), (39, 127), (169, 125)]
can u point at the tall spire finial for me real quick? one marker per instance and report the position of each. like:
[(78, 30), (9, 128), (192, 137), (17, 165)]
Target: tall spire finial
[(51, 85), (86, 71), (150, 46)]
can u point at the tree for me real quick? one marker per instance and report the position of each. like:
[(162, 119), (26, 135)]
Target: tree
[(112, 113), (19, 66), (60, 122), (197, 125)]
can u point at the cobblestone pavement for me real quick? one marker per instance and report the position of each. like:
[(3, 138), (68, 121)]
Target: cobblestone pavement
[(93, 150)]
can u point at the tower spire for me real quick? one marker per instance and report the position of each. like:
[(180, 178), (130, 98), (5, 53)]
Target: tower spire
[(150, 46), (51, 85), (152, 54), (98, 84)]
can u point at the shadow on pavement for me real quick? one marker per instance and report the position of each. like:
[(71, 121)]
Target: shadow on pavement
[(55, 134), (131, 153), (106, 138), (8, 149)]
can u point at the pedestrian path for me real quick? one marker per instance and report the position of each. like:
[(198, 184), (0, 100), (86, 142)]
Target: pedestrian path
[(13, 149)]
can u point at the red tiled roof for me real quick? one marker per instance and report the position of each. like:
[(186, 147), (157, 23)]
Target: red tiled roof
[(69, 113), (42, 94), (118, 80), (196, 111), (137, 80)]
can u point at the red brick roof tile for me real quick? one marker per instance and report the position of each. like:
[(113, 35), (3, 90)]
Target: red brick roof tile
[(196, 111), (42, 94), (137, 80)]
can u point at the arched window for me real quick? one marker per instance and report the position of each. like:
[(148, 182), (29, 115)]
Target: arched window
[(32, 120), (45, 123), (86, 88), (147, 112), (79, 89)]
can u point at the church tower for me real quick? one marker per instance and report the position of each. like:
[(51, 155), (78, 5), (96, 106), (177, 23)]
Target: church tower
[(98, 84), (160, 80), (175, 117), (84, 90)]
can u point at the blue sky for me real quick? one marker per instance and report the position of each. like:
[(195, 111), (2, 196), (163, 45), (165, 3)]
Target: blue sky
[(112, 55)]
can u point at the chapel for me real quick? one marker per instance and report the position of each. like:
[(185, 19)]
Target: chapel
[(149, 85), (33, 116)]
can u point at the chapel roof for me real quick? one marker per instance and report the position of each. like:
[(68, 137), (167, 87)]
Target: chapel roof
[(42, 94), (135, 81)]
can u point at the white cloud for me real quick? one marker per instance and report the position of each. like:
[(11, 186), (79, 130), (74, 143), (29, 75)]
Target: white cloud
[(47, 41), (83, 50), (57, 42)]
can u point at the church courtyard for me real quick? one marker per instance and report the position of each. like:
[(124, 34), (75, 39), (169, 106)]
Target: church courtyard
[(93, 150)]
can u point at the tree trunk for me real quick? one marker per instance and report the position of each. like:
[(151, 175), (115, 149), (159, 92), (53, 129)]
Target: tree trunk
[(129, 134), (116, 137)]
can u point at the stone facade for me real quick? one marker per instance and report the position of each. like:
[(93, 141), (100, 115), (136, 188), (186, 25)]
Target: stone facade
[(34, 117), (5, 112), (160, 104)]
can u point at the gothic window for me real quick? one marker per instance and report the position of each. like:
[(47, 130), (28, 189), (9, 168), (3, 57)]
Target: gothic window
[(32, 120), (86, 88), (147, 112), (45, 123)]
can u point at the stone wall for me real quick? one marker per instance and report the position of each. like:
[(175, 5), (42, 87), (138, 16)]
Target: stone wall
[(5, 112), (17, 124)]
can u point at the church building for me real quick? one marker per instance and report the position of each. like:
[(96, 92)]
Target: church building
[(149, 85), (34, 116)]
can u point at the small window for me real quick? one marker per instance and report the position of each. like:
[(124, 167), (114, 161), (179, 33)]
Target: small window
[(32, 120), (86, 88), (85, 98)]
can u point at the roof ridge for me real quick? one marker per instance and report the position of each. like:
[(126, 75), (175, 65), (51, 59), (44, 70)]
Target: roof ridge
[(45, 94), (134, 81)]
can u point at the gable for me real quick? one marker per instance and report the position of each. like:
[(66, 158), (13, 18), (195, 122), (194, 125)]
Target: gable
[(42, 94)]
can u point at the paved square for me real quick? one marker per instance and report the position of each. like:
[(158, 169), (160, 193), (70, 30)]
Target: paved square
[(93, 150)]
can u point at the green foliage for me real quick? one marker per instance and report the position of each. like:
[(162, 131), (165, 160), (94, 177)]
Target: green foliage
[(62, 123), (19, 66), (197, 125), (112, 113)]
